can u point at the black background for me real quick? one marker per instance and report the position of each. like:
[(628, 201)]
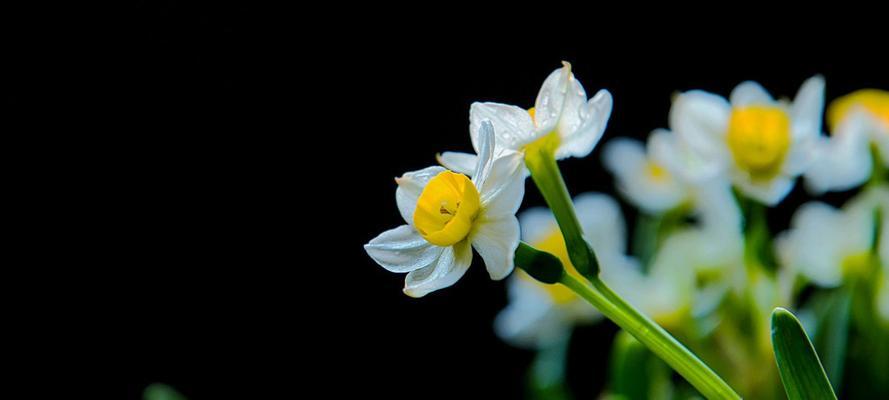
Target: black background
[(219, 207)]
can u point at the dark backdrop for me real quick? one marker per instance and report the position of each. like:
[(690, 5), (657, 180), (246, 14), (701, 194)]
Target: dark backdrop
[(225, 208)]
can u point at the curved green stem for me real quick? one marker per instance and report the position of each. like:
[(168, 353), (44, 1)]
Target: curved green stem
[(653, 336), (541, 161)]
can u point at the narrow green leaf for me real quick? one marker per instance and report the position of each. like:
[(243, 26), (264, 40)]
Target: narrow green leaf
[(160, 391), (635, 373), (801, 371), (832, 310)]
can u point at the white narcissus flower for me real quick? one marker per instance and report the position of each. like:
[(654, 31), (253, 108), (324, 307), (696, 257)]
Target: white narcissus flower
[(540, 315), (641, 178), (843, 160), (562, 118), (825, 244), (762, 144), (447, 215)]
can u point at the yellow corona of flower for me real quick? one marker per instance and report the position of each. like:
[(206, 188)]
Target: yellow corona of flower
[(448, 214), (562, 120), (760, 143)]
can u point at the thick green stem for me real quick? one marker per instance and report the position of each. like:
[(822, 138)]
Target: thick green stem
[(545, 173), (652, 336)]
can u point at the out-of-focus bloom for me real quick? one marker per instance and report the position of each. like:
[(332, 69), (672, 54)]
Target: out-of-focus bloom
[(447, 215), (562, 119), (762, 144), (825, 244), (843, 161), (539, 315), (641, 178)]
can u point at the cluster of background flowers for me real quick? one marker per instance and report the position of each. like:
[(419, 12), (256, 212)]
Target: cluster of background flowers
[(702, 262)]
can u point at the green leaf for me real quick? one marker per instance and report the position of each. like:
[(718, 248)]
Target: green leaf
[(800, 369), (160, 391), (833, 311)]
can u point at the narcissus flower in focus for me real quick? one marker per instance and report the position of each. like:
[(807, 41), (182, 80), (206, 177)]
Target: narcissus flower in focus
[(562, 120), (540, 315), (761, 143), (448, 214), (858, 122)]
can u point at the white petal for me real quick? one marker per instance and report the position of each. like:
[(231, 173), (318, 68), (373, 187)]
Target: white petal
[(627, 159), (503, 190), (402, 250), (559, 87), (716, 208), (485, 153), (813, 244), (537, 224), (842, 161), (463, 163), (700, 119), (530, 320), (513, 126), (444, 272), (593, 118), (496, 240), (750, 93), (769, 192), (677, 157), (410, 186), (808, 107), (602, 222)]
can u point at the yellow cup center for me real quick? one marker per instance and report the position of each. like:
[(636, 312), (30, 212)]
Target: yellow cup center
[(759, 139), (549, 142), (446, 208), (874, 101)]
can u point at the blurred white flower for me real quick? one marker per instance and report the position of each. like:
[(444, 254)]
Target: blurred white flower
[(843, 161), (540, 315), (562, 119), (824, 244), (641, 178), (762, 144), (447, 214)]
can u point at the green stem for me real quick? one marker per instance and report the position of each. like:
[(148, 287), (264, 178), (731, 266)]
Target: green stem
[(653, 336), (541, 162)]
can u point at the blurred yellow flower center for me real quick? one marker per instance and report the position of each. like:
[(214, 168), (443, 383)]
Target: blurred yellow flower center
[(873, 101), (656, 171), (446, 208), (759, 139), (554, 244), (856, 264)]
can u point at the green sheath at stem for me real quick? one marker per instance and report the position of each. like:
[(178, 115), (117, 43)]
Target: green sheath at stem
[(541, 162), (652, 336)]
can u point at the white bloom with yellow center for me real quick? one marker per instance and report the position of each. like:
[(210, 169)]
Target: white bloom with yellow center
[(540, 315), (447, 215), (562, 118), (641, 178), (843, 160), (762, 144), (826, 244)]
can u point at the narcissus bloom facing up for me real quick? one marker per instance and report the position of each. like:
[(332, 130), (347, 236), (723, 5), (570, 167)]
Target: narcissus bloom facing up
[(826, 244), (562, 120), (448, 214), (762, 144), (858, 121)]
